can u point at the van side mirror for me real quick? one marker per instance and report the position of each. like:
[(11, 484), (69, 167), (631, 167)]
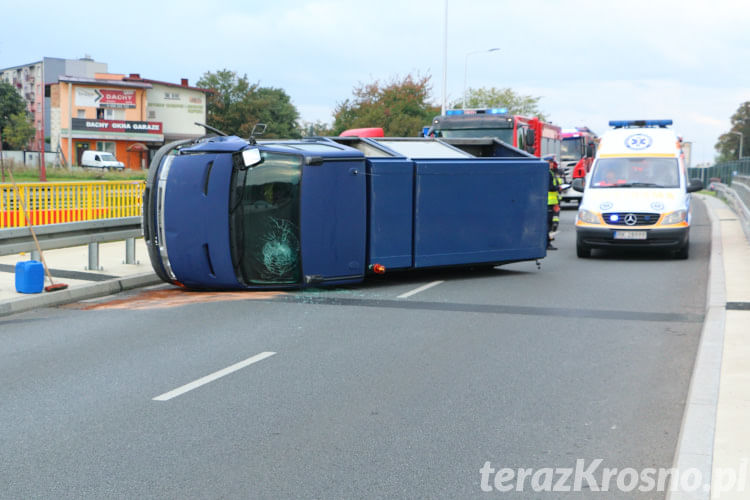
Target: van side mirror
[(578, 184), (251, 157), (590, 151), (694, 185)]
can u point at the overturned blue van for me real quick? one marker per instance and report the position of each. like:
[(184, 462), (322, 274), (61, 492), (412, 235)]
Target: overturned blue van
[(227, 213)]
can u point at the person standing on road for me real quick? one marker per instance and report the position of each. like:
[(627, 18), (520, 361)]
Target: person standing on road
[(553, 200)]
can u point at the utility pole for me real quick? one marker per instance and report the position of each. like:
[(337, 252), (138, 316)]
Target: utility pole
[(445, 58), (2, 165), (42, 162)]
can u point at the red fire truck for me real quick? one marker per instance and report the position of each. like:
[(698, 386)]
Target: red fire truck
[(528, 134), (576, 157), (578, 147)]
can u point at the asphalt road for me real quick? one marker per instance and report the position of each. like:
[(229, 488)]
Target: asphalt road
[(368, 395)]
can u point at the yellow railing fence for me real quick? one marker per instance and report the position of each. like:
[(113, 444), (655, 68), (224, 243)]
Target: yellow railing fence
[(56, 202)]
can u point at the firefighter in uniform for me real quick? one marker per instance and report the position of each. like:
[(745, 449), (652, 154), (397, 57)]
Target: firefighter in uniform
[(553, 200)]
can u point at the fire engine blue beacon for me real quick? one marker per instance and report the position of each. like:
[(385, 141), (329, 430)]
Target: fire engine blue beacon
[(638, 142)]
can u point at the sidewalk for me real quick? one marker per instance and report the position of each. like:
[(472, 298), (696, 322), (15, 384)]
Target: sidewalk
[(68, 265), (731, 451)]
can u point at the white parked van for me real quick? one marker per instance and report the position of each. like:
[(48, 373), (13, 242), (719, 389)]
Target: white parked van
[(101, 159), (637, 194)]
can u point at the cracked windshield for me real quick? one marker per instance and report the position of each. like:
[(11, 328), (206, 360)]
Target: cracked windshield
[(264, 220)]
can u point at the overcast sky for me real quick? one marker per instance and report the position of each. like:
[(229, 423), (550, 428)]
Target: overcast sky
[(589, 61)]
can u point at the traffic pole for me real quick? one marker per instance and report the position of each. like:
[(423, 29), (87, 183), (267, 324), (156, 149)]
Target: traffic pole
[(42, 162)]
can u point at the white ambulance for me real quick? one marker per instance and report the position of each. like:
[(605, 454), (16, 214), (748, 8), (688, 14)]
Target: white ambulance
[(637, 194)]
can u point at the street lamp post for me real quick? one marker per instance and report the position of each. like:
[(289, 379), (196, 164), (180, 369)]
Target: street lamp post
[(466, 67), (445, 58), (2, 165), (739, 157)]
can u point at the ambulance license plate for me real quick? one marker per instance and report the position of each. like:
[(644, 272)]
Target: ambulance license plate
[(630, 235)]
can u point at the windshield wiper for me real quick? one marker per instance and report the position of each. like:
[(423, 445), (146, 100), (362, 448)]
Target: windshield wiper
[(639, 184)]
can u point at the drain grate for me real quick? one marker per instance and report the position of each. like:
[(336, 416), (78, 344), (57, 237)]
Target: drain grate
[(738, 306)]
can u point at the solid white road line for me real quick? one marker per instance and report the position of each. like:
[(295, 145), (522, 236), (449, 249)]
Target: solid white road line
[(420, 289), (210, 378)]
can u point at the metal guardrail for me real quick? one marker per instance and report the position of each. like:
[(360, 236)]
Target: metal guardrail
[(72, 234), (735, 201), (62, 202)]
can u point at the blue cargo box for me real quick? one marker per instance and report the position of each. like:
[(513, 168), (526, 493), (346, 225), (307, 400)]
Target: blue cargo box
[(479, 211), (460, 210)]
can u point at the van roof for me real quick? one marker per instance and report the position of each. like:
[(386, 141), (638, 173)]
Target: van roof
[(624, 142)]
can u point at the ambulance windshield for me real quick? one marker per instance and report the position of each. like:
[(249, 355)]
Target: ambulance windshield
[(636, 173)]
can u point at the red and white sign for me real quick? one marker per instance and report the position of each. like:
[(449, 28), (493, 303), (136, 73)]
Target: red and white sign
[(105, 98), (116, 98)]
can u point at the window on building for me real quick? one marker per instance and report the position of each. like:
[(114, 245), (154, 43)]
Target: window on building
[(106, 146), (99, 114), (114, 114), (81, 113)]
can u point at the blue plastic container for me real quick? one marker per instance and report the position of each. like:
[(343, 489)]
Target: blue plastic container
[(29, 276)]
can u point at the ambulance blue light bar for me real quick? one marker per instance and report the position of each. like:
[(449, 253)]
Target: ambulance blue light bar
[(454, 112), (639, 123)]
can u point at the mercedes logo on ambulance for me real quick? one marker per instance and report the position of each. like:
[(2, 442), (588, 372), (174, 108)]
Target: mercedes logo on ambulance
[(638, 141), (631, 219)]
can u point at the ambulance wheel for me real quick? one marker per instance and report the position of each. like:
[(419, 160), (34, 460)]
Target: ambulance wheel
[(582, 251), (682, 253)]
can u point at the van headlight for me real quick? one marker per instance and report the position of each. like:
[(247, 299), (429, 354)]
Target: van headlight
[(588, 217), (674, 217)]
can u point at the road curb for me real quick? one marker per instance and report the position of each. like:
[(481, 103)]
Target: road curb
[(93, 290), (695, 444)]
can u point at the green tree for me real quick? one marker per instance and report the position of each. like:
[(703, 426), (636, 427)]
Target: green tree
[(517, 104), (19, 130), (273, 107), (400, 107), (235, 106), (728, 145), (11, 103)]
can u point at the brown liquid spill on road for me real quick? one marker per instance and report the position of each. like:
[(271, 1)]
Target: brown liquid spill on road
[(174, 297)]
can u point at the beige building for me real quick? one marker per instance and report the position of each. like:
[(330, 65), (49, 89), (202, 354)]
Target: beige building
[(177, 106)]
